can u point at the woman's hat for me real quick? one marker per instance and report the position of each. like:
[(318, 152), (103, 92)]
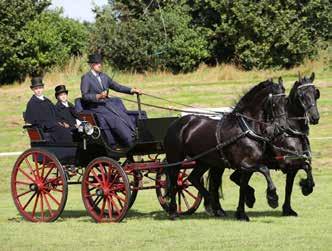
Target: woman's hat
[(36, 81), (60, 89), (95, 58)]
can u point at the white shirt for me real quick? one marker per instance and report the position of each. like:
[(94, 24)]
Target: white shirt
[(40, 97), (97, 75)]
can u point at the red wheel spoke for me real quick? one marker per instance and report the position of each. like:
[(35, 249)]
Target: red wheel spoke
[(28, 202), (48, 173), (119, 198), (36, 163), (114, 179), (30, 167), (179, 201), (35, 206), (110, 209), (185, 200), (92, 184), (22, 182), (42, 205), (116, 207), (48, 205), (195, 197), (102, 172), (43, 167), (20, 195), (102, 208), (96, 176), (53, 180), (97, 201), (52, 197), (57, 190), (26, 175)]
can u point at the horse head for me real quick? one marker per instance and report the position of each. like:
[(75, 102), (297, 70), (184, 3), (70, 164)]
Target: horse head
[(265, 102), (305, 94)]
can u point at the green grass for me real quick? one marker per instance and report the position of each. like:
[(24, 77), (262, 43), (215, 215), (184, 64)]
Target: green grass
[(146, 227)]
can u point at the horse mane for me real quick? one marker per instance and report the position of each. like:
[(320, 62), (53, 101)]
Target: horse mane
[(249, 95), (292, 94)]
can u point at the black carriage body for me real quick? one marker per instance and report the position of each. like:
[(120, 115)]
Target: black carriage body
[(149, 140)]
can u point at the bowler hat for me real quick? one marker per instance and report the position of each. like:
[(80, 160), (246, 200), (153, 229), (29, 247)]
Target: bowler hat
[(60, 89), (95, 58), (36, 81)]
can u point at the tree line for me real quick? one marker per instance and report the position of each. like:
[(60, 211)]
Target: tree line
[(172, 35)]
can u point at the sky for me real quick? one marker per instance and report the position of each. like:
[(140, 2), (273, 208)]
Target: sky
[(79, 9)]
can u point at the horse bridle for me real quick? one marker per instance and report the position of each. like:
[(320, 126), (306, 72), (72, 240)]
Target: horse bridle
[(301, 97), (272, 105)]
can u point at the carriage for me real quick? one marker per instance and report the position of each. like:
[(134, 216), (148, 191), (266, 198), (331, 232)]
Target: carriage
[(110, 178)]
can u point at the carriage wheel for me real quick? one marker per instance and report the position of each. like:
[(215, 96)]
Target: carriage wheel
[(105, 190), (187, 196), (39, 186)]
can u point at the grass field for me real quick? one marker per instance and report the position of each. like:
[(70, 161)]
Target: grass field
[(146, 226)]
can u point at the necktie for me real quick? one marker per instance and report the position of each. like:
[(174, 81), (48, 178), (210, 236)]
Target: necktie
[(99, 80)]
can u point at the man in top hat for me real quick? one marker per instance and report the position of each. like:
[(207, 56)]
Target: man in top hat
[(65, 109), (94, 88), (41, 112)]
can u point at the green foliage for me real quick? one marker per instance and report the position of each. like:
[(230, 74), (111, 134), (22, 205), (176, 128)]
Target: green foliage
[(162, 39), (265, 33), (51, 40), (33, 39)]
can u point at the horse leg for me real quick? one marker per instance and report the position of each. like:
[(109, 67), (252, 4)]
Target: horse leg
[(240, 212), (271, 191), (286, 208), (307, 185), (195, 179), (215, 175), (172, 177), (250, 192)]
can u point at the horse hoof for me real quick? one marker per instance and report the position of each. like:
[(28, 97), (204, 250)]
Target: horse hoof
[(250, 197), (241, 216), (173, 216), (306, 188), (288, 211), (209, 210), (272, 198), (220, 213)]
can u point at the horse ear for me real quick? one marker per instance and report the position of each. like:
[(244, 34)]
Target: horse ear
[(312, 77), (299, 75), (280, 81)]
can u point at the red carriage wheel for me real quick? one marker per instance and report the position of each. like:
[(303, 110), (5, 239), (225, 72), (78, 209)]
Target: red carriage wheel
[(105, 190), (39, 186), (188, 198)]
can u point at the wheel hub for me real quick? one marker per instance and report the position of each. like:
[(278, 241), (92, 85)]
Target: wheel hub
[(100, 192), (34, 187)]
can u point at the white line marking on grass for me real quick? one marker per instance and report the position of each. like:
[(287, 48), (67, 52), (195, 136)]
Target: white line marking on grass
[(10, 154)]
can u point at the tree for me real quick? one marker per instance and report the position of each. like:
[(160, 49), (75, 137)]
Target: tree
[(33, 39), (263, 33), (14, 15), (159, 39)]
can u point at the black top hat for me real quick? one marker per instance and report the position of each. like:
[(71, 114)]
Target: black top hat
[(36, 81), (60, 89), (95, 58)]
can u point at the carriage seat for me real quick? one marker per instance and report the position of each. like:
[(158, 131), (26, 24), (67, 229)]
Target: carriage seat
[(81, 107), (36, 134)]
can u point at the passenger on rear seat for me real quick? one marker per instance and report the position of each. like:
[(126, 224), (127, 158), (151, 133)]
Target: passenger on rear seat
[(41, 112)]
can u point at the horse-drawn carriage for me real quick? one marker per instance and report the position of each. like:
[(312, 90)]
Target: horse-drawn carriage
[(41, 174), (264, 131)]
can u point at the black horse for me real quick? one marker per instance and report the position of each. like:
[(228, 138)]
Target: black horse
[(237, 141), (301, 107)]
